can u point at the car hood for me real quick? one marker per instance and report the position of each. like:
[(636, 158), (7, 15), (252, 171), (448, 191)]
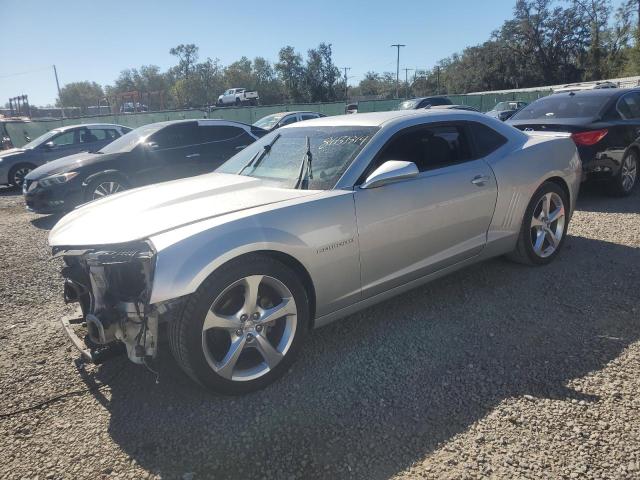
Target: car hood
[(67, 164), (143, 212), (11, 152)]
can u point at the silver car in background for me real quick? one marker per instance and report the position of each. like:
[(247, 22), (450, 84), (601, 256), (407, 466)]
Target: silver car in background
[(16, 163), (311, 223)]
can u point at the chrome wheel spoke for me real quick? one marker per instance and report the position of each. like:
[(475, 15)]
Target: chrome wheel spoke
[(546, 200), (283, 309), (251, 285), (537, 246), (556, 214), (271, 356), (229, 361), (215, 320), (551, 237), (536, 222)]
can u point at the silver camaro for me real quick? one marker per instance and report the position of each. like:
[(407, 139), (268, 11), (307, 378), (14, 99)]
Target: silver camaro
[(313, 222)]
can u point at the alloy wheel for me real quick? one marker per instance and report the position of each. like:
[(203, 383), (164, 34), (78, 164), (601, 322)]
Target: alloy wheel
[(629, 172), (547, 224), (19, 175), (106, 188), (249, 328)]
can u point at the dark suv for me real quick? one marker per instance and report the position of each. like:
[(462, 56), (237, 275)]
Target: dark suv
[(149, 154), (604, 124)]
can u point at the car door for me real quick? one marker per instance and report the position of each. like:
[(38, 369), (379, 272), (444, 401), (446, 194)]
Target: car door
[(416, 227), (100, 137), (173, 152), (61, 145), (220, 143), (624, 129), (289, 119)]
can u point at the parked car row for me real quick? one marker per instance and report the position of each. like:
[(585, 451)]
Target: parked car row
[(305, 221), (16, 163)]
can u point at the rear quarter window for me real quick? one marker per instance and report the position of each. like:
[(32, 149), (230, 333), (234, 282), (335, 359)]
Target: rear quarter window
[(486, 140)]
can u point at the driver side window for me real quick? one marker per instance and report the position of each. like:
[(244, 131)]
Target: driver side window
[(64, 139), (429, 147)]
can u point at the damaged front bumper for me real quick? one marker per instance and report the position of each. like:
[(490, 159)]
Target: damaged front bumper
[(112, 285)]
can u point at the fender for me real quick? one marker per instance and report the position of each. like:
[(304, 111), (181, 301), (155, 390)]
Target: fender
[(114, 172)]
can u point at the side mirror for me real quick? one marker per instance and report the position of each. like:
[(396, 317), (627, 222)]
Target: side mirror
[(389, 172), (152, 145), (49, 146)]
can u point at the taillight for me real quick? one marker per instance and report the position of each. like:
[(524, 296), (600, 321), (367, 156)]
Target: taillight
[(590, 137)]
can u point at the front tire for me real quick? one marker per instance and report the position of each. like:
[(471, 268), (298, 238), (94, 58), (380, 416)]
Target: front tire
[(103, 187), (243, 327), (621, 185), (544, 226)]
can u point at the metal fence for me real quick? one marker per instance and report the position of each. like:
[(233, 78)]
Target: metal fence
[(21, 132)]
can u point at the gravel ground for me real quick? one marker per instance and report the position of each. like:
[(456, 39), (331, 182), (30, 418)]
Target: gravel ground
[(499, 371)]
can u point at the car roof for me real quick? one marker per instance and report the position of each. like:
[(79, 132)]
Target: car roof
[(93, 125), (200, 121), (378, 119), (596, 92), (288, 113)]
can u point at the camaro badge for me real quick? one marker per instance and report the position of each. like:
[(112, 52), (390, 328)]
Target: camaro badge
[(333, 246)]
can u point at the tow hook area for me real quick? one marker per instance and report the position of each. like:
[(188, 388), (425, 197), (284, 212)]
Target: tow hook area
[(91, 352)]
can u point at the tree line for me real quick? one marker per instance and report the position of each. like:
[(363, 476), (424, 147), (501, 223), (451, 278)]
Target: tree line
[(546, 42)]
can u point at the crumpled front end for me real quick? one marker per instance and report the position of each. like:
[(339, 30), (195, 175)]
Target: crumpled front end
[(112, 284)]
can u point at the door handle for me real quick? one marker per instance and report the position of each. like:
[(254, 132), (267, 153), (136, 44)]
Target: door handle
[(241, 147), (480, 180), (193, 155)]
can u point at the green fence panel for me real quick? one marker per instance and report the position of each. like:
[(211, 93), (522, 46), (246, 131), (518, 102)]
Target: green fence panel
[(22, 132)]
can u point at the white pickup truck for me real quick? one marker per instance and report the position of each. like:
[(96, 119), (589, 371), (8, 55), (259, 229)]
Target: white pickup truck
[(238, 96)]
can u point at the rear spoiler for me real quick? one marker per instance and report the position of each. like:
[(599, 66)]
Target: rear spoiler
[(537, 133)]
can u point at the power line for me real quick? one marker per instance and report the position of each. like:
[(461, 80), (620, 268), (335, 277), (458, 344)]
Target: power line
[(398, 46), (24, 73)]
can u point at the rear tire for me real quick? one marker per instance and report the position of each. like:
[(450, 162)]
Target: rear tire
[(18, 172), (621, 185), (219, 338), (544, 226)]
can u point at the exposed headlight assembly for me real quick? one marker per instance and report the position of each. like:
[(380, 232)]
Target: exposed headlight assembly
[(57, 179)]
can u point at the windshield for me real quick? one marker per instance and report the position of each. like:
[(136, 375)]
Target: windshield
[(563, 106), (128, 141), (269, 121), (332, 151), (503, 106), (41, 139), (408, 104)]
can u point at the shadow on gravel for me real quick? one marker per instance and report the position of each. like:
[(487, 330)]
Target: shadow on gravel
[(382, 389), (46, 222), (9, 191), (594, 198)]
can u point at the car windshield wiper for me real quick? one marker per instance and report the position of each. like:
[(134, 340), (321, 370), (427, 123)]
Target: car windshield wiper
[(306, 173), (257, 158)]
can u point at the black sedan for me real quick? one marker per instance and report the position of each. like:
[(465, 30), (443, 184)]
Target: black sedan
[(149, 154), (423, 102), (604, 124)]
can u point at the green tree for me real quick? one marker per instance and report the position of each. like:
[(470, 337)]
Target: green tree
[(292, 74), (80, 94)]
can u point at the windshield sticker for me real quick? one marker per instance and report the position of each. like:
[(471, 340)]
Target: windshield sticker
[(344, 140)]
